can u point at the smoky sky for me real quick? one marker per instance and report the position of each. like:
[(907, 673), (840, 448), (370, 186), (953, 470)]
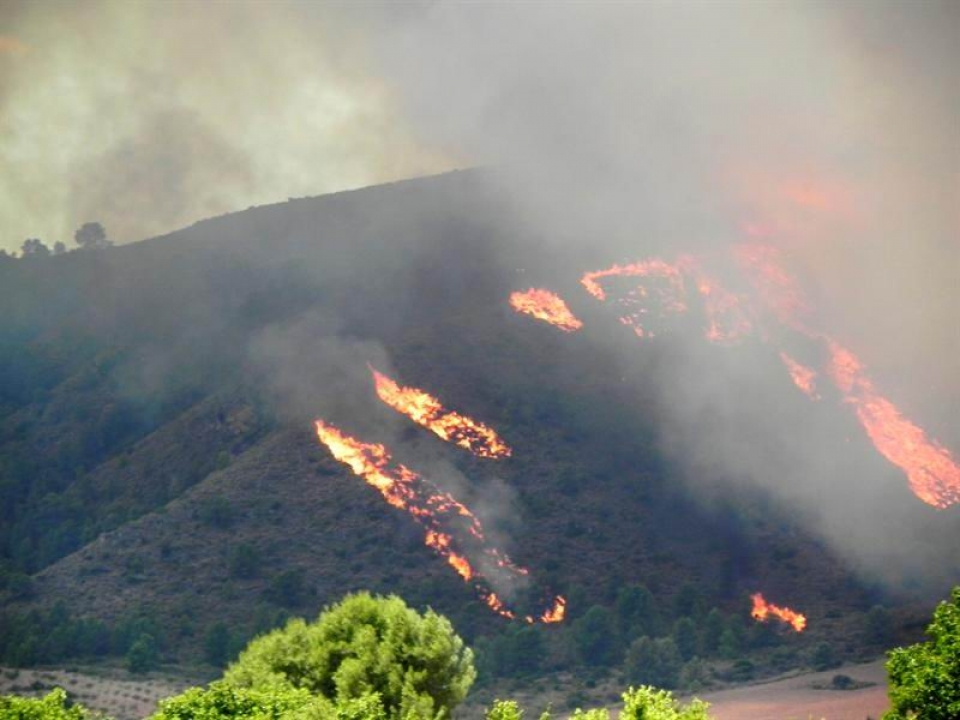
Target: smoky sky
[(671, 124), (148, 116)]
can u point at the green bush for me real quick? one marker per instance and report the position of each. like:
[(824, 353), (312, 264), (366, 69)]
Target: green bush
[(244, 562), (505, 710), (221, 700), (925, 678), (642, 703), (216, 645), (416, 663), (649, 703), (595, 637), (53, 706), (654, 662), (824, 657), (143, 655)]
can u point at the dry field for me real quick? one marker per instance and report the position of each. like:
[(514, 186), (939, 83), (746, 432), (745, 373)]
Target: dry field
[(802, 697), (112, 692)]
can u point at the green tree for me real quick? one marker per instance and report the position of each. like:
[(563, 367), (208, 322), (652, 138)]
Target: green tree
[(730, 643), (517, 652), (594, 637), (713, 627), (636, 612), (505, 710), (879, 626), (33, 247), (216, 645), (824, 657), (416, 663), (143, 654), (52, 706), (244, 562), (91, 236), (653, 662), (685, 636), (925, 678), (648, 703), (688, 601), (286, 589)]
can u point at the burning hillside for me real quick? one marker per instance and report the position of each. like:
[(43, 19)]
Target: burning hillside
[(546, 306), (426, 410), (763, 611), (645, 294), (450, 527)]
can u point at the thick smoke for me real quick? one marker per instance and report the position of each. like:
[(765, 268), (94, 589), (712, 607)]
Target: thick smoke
[(313, 368), (148, 116), (630, 130)]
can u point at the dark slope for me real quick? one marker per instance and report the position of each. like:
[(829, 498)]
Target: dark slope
[(155, 426)]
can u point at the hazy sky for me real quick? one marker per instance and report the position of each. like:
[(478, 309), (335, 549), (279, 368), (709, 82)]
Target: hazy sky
[(147, 116)]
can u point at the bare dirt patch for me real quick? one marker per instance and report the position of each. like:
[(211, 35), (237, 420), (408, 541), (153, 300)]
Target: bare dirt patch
[(806, 696)]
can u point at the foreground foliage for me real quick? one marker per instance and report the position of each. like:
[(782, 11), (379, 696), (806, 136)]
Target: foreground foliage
[(221, 700), (416, 664), (925, 678), (53, 706), (642, 703)]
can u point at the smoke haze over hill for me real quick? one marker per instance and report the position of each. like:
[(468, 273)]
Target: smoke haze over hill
[(618, 131)]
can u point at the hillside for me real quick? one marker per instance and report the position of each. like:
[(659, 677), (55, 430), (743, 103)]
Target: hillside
[(160, 473)]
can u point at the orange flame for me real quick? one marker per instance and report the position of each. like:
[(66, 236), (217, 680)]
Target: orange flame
[(670, 292), (932, 473), (762, 611), (727, 319), (557, 612), (803, 377), (547, 306), (426, 410), (406, 490), (778, 291)]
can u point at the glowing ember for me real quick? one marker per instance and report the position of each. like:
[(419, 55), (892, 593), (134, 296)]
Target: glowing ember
[(777, 290), (932, 473), (547, 306), (664, 286), (426, 410), (803, 377), (556, 613), (438, 512), (727, 320), (763, 611)]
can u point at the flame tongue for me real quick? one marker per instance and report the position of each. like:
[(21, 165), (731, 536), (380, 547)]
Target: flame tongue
[(666, 285), (932, 473), (433, 509), (556, 613), (547, 306), (663, 283), (803, 377), (426, 410), (763, 611)]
